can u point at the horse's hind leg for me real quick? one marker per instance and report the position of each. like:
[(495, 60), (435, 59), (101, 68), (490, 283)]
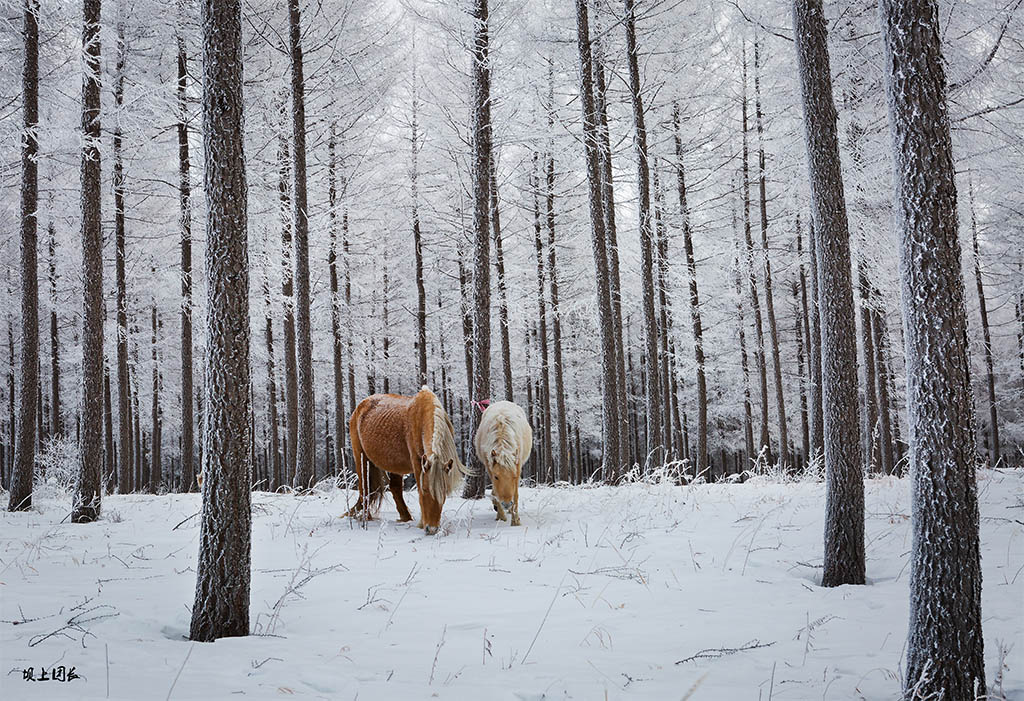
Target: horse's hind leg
[(395, 484)]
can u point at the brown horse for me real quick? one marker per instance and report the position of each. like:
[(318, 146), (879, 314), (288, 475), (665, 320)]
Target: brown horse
[(394, 435)]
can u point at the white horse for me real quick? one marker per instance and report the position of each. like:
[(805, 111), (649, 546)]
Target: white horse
[(503, 442)]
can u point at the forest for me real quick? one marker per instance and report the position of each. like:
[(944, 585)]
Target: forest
[(708, 243)]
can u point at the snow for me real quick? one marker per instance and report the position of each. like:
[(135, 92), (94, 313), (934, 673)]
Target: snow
[(597, 595)]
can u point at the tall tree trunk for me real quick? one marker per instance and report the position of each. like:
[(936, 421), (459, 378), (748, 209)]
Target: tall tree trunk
[(990, 375), (608, 186), (56, 422), (109, 454), (467, 318), (185, 203), (799, 333), (844, 500), (656, 442), (386, 327), (817, 412), (748, 420), (156, 467), (124, 410), (421, 290), (887, 451), (291, 380), (499, 259), (808, 380), (945, 647), (481, 108), (304, 449), (556, 321), (275, 440), (613, 449), (562, 467), (764, 443), (13, 422), (25, 449), (348, 309), (870, 438), (664, 316), (691, 271), (221, 606), (89, 487), (340, 424), (769, 296)]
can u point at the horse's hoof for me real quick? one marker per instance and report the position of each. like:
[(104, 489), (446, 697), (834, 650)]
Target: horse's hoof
[(430, 530), (515, 521), (501, 517)]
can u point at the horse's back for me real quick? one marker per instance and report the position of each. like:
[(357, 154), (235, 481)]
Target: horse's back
[(513, 417), (380, 424)]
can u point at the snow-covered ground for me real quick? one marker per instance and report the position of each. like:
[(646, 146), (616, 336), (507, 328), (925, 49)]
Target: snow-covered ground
[(602, 593)]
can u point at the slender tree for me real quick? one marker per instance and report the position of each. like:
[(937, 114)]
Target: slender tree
[(655, 440), (556, 320), (291, 380), (545, 375), (185, 204), (481, 109), (945, 647), (417, 236), (844, 508), (25, 448), (340, 423), (304, 449), (499, 261), (126, 443), (89, 488), (156, 465), (613, 455), (275, 476), (221, 607), (986, 335), (817, 423), (56, 422)]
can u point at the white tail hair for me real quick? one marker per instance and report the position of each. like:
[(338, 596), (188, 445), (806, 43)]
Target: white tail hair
[(441, 482)]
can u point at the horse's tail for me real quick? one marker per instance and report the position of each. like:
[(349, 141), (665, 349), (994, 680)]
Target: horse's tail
[(443, 482), (369, 474)]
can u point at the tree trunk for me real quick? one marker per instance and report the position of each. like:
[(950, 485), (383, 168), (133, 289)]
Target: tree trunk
[(126, 443), (89, 488), (348, 309), (340, 424), (799, 333), (608, 185), (691, 270), (656, 442), (613, 455), (221, 606), (275, 440), (990, 376), (185, 201), (467, 318), (945, 648), (764, 443), (664, 317), (421, 290), (304, 448), (887, 452), (156, 467), (556, 321), (769, 296), (56, 422), (499, 258), (748, 420), (291, 381), (481, 107), (870, 452), (109, 454), (817, 418), (25, 449), (805, 332), (545, 452), (844, 506)]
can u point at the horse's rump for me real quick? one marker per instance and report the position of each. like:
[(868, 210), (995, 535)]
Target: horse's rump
[(504, 438)]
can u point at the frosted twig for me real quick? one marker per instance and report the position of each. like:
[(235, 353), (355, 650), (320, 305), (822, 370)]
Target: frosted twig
[(712, 653), (180, 669), (437, 653), (544, 620)]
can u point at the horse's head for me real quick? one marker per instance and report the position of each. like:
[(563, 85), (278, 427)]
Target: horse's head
[(437, 472), (504, 481)]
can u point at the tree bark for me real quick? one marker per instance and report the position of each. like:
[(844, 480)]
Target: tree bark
[(305, 449), (185, 203), (613, 455), (556, 321), (945, 647), (817, 427), (481, 107), (221, 606), (109, 454), (421, 290), (871, 451), (769, 295), (887, 452), (275, 476), (664, 317), (56, 421), (25, 448), (656, 442), (156, 466), (799, 333), (467, 319), (89, 488), (844, 507), (748, 420)]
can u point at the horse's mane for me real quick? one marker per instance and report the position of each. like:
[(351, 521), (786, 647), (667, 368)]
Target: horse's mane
[(503, 440), (442, 444)]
